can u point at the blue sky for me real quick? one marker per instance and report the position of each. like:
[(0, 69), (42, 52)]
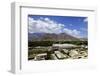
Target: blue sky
[(75, 26)]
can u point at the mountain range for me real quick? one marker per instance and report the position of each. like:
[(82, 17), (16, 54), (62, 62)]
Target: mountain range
[(52, 37)]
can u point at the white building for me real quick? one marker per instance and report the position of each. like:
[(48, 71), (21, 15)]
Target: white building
[(64, 46)]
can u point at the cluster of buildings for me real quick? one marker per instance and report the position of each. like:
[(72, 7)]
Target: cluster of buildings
[(63, 51)]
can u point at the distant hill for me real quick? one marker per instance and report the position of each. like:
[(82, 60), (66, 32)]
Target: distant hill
[(83, 39), (51, 37)]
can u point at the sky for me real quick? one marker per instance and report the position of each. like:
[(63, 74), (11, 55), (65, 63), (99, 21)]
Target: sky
[(72, 25)]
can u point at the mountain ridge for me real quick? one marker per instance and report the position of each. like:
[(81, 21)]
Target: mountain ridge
[(51, 37)]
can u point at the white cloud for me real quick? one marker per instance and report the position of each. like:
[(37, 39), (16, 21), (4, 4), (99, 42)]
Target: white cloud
[(70, 24), (85, 20), (73, 32), (84, 29), (46, 25)]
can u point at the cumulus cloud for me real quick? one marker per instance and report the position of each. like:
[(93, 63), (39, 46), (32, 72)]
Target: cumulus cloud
[(84, 29), (85, 20), (46, 25), (70, 24), (73, 32)]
